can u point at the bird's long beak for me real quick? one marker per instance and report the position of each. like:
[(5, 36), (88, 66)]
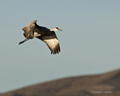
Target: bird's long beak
[(60, 29)]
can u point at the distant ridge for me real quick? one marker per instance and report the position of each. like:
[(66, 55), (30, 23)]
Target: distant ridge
[(107, 84)]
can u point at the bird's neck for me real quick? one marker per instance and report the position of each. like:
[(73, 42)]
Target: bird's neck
[(54, 29)]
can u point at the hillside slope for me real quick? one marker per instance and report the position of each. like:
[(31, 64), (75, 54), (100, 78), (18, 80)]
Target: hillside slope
[(107, 84)]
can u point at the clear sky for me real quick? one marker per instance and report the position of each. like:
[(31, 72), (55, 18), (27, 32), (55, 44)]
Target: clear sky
[(90, 40)]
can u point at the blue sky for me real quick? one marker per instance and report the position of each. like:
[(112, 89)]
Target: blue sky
[(90, 40)]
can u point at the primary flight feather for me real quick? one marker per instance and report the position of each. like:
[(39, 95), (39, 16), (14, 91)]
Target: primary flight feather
[(48, 36)]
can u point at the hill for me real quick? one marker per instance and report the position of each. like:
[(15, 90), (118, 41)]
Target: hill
[(107, 84)]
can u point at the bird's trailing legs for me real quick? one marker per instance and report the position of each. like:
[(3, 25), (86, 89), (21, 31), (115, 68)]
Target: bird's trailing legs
[(23, 41)]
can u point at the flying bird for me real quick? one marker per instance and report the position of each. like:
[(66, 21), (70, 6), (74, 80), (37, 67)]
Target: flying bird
[(33, 30)]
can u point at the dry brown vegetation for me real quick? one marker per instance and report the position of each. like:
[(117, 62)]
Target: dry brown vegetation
[(107, 84)]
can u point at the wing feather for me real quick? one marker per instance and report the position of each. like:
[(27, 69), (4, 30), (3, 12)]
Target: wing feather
[(29, 30), (52, 43)]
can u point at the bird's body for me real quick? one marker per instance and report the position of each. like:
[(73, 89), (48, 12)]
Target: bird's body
[(33, 30)]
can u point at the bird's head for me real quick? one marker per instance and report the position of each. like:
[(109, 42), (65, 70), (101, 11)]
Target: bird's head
[(55, 29)]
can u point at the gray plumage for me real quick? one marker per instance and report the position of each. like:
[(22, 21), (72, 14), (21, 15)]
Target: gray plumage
[(48, 36)]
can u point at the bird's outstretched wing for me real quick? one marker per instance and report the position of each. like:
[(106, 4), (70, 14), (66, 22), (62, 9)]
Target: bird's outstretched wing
[(33, 30), (52, 42), (29, 30)]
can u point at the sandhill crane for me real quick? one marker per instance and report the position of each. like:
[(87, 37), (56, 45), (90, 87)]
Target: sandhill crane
[(48, 36)]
